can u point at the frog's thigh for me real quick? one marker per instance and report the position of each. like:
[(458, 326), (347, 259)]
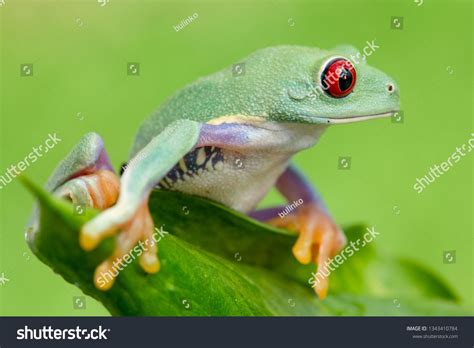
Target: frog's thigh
[(86, 176), (86, 157), (278, 217)]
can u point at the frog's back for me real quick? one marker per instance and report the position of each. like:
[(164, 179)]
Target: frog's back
[(226, 93)]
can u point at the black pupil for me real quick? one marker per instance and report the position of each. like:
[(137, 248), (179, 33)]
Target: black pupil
[(345, 79)]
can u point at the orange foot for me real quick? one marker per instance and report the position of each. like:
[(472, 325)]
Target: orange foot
[(100, 190), (319, 239), (139, 229)]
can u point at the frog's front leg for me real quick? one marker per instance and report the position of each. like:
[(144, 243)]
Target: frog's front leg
[(142, 173), (320, 238), (131, 214)]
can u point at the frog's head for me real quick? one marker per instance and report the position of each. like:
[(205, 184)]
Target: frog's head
[(310, 85)]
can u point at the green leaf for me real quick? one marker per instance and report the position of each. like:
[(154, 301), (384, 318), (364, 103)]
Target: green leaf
[(218, 262)]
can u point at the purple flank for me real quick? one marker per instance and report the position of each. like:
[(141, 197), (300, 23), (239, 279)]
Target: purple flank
[(294, 186), (266, 214), (224, 135)]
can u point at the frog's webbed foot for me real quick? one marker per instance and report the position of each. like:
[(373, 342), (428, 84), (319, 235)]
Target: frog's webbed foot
[(138, 229), (319, 240), (100, 190), (130, 214), (85, 177)]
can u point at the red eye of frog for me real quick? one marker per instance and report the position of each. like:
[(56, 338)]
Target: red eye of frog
[(338, 78)]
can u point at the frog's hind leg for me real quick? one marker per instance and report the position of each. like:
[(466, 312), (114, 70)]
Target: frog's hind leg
[(319, 237), (129, 219), (86, 176), (277, 217), (140, 228), (144, 171)]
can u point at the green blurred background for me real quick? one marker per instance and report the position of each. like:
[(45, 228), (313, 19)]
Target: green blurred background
[(80, 50)]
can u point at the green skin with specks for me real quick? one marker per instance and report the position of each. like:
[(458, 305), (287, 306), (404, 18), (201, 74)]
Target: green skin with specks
[(263, 116), (272, 78), (279, 101)]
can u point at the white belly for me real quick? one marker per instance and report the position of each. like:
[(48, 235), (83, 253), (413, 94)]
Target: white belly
[(239, 182), (240, 179)]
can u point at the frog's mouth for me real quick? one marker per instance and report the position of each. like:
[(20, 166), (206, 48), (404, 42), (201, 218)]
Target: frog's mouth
[(352, 119)]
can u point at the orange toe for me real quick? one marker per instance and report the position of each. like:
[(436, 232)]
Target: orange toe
[(319, 240)]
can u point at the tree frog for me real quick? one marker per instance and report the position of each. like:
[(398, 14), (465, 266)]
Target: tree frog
[(230, 137)]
